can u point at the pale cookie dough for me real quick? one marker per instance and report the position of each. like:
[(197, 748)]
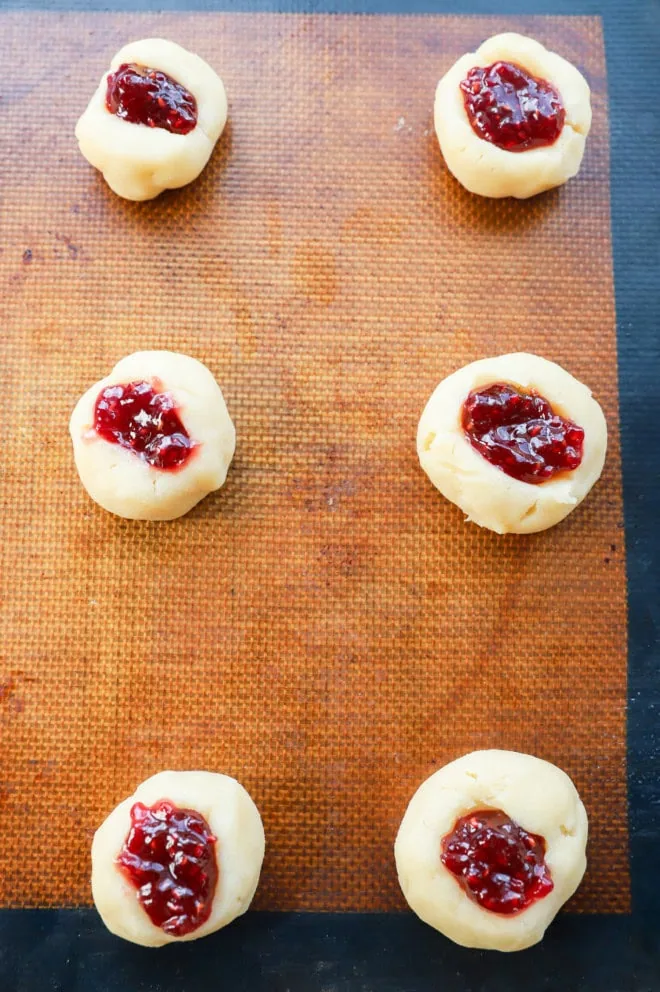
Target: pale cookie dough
[(484, 168), (138, 162), (538, 796), (487, 495), (234, 820), (118, 479)]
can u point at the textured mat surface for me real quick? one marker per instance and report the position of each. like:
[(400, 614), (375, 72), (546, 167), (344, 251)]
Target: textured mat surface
[(326, 628)]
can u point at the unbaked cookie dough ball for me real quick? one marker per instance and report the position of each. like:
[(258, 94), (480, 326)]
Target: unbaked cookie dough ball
[(512, 118), (154, 437), (154, 119), (178, 859), (515, 441), (490, 847)]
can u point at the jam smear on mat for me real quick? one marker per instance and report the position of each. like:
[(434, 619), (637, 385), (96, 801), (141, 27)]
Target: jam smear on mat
[(137, 416), (498, 864), (169, 856), (511, 108), (142, 95), (520, 433)]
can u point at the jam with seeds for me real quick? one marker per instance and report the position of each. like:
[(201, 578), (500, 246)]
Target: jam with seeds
[(520, 433), (498, 864), (137, 416), (169, 856), (511, 108), (141, 95)]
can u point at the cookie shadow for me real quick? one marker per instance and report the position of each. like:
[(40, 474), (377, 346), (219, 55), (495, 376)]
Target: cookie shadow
[(174, 207), (453, 204)]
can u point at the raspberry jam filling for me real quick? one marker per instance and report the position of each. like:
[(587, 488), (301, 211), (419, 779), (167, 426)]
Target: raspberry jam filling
[(498, 864), (169, 856), (137, 416), (520, 433), (511, 108), (147, 96)]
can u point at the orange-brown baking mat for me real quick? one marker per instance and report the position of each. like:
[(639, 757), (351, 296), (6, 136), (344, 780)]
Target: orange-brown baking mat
[(326, 627)]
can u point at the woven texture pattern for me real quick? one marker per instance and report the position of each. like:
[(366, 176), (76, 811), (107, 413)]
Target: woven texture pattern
[(326, 628)]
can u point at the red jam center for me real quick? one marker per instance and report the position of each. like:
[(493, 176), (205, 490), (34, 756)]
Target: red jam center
[(511, 108), (499, 865), (147, 96), (138, 417), (520, 433), (169, 856)]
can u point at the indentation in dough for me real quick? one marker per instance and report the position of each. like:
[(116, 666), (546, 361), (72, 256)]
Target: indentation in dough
[(566, 831), (530, 511), (578, 128), (472, 775), (428, 441)]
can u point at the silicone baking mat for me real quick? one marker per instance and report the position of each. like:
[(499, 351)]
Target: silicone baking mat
[(326, 627)]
